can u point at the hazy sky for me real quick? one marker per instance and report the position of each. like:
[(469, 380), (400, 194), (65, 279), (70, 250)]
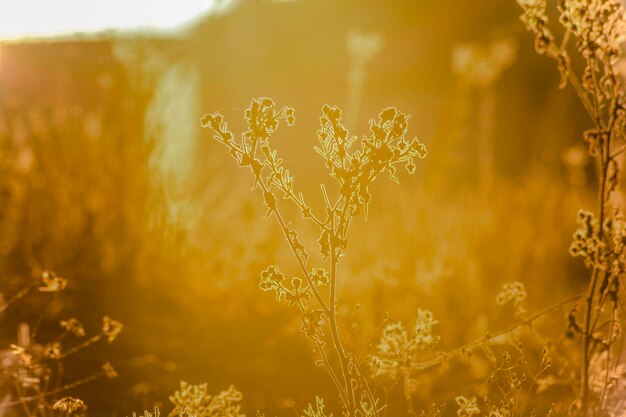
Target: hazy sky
[(52, 17)]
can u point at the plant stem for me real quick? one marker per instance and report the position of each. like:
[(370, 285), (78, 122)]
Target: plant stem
[(341, 354), (21, 294), (476, 343)]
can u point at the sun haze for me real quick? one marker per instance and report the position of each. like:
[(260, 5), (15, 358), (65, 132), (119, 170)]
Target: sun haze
[(36, 18)]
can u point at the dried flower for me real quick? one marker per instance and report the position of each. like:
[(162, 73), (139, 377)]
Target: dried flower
[(313, 323), (513, 293), (52, 350), (111, 328), (397, 353), (318, 411), (319, 277), (424, 338), (156, 413), (68, 404), (196, 399), (467, 408), (354, 168), (272, 279), (536, 21), (599, 26), (51, 282), (73, 326), (109, 371)]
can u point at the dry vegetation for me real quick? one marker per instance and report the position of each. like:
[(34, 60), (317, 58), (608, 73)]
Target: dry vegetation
[(450, 294)]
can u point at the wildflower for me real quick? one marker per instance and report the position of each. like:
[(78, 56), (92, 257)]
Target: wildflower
[(354, 168), (109, 371), (423, 330), (599, 26), (604, 251), (263, 119), (52, 350), (318, 411), (512, 292), (392, 352), (319, 277), (298, 294), (111, 328), (156, 413), (289, 116), (68, 404), (536, 21), (196, 399), (212, 120), (73, 326), (51, 282), (467, 408), (271, 278), (396, 352), (312, 323)]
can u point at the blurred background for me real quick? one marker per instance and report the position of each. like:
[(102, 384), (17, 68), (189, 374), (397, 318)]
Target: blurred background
[(107, 178)]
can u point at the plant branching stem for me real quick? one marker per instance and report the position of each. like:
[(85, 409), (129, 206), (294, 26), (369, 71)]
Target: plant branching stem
[(26, 399), (455, 352)]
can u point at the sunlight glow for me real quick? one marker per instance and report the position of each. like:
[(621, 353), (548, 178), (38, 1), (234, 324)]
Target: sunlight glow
[(37, 18)]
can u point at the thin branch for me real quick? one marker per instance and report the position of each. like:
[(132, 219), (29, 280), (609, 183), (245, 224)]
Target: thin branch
[(476, 343)]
